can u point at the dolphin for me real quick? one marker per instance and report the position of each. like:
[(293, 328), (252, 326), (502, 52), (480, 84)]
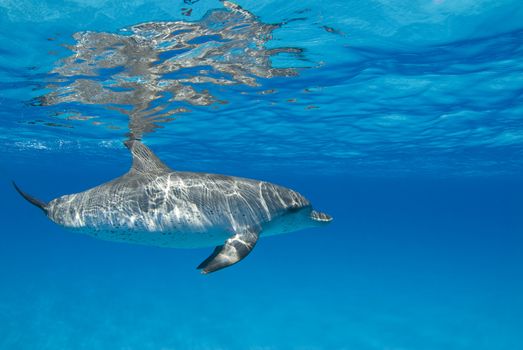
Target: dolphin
[(154, 205)]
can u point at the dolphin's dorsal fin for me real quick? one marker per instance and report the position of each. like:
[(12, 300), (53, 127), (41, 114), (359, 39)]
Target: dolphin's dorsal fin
[(144, 160)]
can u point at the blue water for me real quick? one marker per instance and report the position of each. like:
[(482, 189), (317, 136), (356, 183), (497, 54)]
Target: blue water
[(401, 119)]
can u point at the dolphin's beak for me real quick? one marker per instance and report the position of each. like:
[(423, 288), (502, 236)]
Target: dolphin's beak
[(320, 217)]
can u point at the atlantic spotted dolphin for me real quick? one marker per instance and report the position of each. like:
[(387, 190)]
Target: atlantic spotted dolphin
[(154, 205)]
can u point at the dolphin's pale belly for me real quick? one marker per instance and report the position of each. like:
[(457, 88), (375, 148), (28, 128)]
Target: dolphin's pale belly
[(178, 209), (168, 239)]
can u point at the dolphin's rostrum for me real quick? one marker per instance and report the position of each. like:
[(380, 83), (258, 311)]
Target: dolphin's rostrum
[(154, 205)]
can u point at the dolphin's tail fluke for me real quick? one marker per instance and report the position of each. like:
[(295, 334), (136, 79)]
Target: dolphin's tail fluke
[(32, 200)]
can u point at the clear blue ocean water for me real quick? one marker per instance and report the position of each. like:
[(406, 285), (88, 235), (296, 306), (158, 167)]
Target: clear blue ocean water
[(401, 119)]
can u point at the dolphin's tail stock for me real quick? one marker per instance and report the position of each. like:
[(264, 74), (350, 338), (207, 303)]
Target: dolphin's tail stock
[(36, 202)]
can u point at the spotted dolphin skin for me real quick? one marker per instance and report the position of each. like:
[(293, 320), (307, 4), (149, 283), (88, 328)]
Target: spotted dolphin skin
[(154, 205)]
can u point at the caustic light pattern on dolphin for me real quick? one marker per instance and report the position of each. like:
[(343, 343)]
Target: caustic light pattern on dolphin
[(154, 205)]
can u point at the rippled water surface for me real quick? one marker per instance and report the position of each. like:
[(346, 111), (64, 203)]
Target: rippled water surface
[(429, 86), (402, 119)]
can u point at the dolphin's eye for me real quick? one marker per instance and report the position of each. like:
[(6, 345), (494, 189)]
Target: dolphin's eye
[(294, 208)]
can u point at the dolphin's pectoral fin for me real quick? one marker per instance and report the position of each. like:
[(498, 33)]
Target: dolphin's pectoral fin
[(235, 249)]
